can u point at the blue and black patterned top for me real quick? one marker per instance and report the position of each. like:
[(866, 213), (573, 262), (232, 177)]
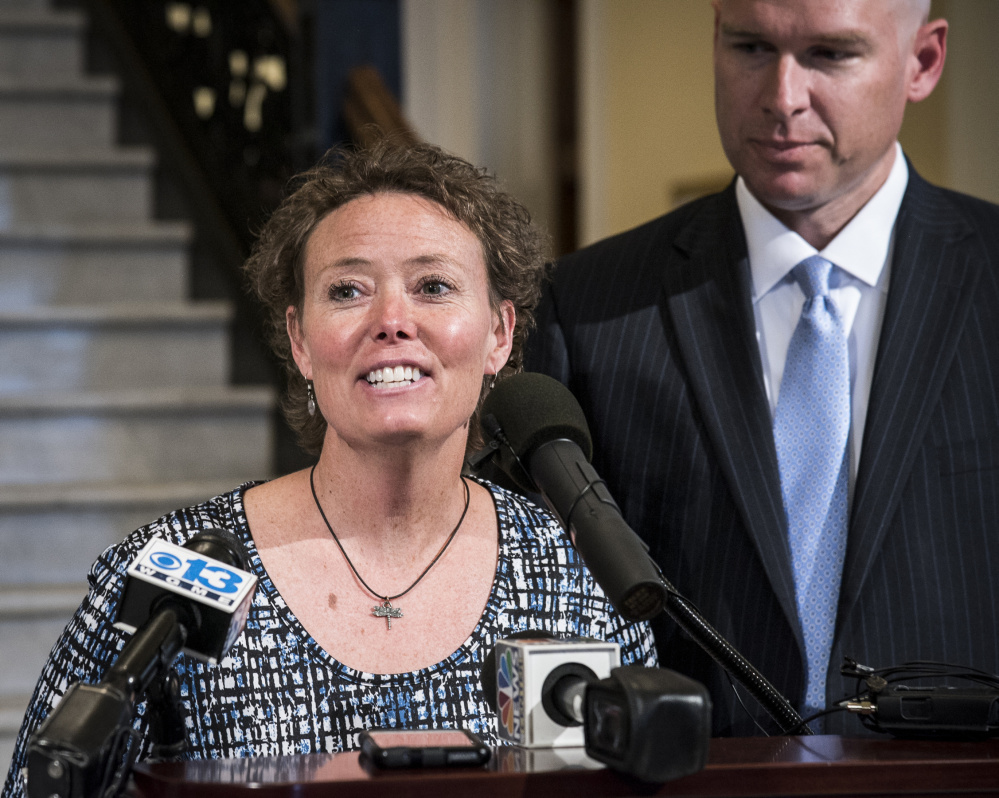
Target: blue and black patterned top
[(278, 692)]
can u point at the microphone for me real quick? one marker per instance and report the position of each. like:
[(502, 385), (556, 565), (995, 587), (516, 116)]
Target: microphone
[(193, 598), (547, 448), (205, 582), (651, 723), (534, 682)]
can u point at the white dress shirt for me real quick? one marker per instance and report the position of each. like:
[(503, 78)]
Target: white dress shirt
[(861, 253)]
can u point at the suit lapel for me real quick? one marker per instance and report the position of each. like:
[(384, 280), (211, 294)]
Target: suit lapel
[(935, 268), (708, 294)]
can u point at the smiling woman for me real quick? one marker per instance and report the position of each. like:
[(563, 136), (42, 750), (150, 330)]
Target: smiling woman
[(393, 284), (400, 283), (510, 247)]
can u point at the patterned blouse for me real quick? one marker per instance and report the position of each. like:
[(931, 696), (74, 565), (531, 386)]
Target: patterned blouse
[(278, 692)]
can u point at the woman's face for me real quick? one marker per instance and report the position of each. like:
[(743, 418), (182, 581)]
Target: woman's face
[(396, 329)]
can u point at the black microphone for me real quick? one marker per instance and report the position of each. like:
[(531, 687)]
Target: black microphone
[(547, 448), (193, 598)]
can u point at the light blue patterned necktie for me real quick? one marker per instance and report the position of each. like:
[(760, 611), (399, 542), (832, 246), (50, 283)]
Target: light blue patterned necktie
[(811, 429)]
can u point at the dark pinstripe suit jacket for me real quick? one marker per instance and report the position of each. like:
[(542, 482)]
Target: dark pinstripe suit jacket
[(653, 331)]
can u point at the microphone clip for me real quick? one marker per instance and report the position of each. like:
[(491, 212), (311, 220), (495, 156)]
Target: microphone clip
[(499, 440), (476, 460)]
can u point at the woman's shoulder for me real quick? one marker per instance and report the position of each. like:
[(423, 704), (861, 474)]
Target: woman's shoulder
[(521, 514), (532, 540)]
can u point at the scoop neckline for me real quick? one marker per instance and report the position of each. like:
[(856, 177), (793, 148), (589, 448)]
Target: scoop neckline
[(462, 653)]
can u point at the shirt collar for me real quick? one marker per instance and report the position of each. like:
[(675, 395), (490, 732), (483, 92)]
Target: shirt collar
[(860, 249)]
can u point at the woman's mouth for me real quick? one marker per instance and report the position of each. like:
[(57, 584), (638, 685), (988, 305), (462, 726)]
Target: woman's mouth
[(393, 376)]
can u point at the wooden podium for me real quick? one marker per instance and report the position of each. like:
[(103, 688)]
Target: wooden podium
[(763, 766)]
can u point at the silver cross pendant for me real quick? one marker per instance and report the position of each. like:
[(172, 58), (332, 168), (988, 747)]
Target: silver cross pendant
[(387, 611)]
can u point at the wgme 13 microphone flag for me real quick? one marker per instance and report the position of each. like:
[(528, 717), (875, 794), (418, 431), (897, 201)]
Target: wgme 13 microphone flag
[(221, 593)]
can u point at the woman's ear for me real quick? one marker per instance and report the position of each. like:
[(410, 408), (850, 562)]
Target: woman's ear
[(501, 338), (297, 338)]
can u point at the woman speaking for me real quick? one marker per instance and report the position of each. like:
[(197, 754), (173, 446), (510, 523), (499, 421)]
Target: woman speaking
[(400, 283)]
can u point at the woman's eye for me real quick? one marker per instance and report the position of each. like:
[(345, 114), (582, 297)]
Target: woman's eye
[(435, 286), (343, 292)]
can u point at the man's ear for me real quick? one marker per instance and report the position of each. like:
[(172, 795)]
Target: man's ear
[(929, 52), (297, 338), (502, 337)]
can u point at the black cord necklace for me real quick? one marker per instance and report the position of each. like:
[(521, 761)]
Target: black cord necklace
[(385, 609)]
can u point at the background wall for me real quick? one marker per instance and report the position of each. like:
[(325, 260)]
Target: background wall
[(650, 126), (477, 80), (970, 112)]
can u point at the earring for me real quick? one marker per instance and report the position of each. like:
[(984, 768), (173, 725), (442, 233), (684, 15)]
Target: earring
[(492, 382), (311, 393)]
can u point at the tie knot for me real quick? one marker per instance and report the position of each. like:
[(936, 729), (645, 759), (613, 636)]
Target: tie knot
[(812, 275)]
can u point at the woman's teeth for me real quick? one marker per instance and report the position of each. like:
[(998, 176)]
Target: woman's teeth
[(393, 376)]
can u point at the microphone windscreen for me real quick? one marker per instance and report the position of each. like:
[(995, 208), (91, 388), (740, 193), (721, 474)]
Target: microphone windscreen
[(533, 409), (221, 545)]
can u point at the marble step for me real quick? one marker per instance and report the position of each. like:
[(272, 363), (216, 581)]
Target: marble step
[(40, 41), (109, 346), (98, 185), (71, 264), (12, 708), (31, 619), (36, 5), (52, 533), (71, 112), (162, 434)]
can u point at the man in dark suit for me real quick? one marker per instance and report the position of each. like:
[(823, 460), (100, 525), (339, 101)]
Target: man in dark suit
[(675, 337)]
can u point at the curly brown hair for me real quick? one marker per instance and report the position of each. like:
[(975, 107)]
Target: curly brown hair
[(514, 250)]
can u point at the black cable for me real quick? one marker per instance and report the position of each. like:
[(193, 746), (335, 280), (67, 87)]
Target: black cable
[(738, 697), (124, 751), (822, 713)]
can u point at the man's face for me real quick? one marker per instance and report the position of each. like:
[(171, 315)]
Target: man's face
[(810, 94)]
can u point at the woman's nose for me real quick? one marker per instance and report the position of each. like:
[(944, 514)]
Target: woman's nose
[(393, 317)]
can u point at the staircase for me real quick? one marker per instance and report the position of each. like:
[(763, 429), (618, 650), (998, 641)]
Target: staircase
[(114, 398)]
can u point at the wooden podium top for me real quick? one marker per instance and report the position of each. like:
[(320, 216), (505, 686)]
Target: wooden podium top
[(757, 766)]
